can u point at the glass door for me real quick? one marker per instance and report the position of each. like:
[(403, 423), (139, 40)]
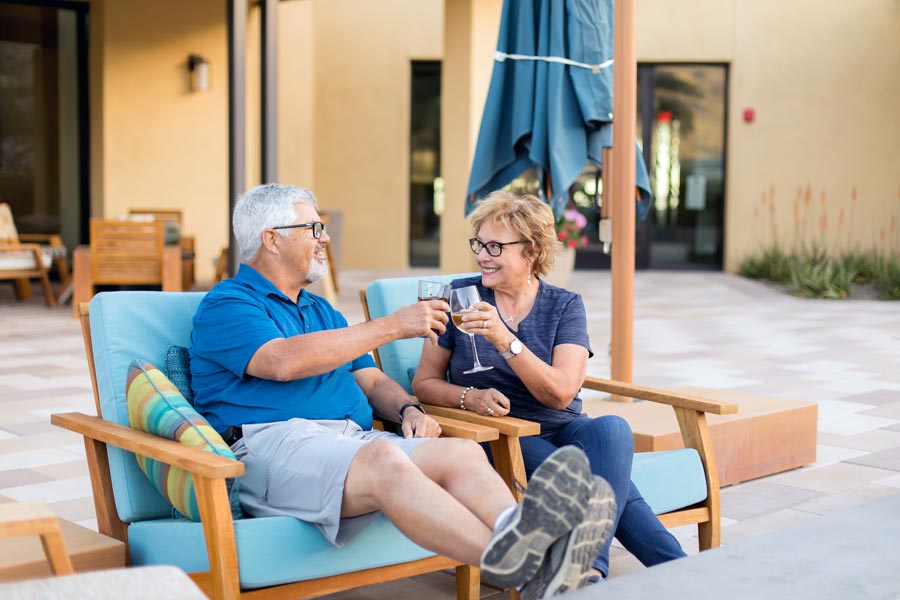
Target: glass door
[(43, 117), (425, 184), (681, 128)]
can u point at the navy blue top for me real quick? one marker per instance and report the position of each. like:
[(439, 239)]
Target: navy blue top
[(233, 321), (557, 317)]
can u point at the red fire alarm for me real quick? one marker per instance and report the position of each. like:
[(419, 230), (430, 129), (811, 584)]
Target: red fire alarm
[(749, 115)]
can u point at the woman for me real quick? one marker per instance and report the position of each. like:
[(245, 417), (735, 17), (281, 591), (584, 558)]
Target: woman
[(535, 336)]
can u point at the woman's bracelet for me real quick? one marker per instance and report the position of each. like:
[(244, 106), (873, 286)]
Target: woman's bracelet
[(462, 397)]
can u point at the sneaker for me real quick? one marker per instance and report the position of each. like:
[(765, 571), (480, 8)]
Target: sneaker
[(568, 563), (552, 505)]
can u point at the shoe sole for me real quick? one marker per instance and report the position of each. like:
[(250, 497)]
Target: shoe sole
[(573, 559), (553, 505)]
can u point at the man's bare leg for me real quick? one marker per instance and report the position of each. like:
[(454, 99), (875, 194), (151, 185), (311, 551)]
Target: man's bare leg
[(462, 468), (382, 477)]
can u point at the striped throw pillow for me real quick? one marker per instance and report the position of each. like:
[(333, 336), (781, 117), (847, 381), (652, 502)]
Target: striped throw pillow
[(156, 406)]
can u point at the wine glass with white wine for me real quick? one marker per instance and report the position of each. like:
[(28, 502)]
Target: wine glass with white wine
[(461, 301)]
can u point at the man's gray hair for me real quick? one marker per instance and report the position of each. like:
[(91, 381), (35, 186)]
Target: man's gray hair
[(262, 207)]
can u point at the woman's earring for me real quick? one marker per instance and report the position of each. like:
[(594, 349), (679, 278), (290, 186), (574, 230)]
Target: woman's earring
[(529, 277)]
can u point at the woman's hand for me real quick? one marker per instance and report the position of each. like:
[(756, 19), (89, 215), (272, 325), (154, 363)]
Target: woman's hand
[(489, 402), (484, 320)]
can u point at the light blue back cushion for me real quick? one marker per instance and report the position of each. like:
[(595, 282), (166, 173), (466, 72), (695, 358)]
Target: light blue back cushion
[(272, 550), (669, 479), (400, 358), (126, 326)]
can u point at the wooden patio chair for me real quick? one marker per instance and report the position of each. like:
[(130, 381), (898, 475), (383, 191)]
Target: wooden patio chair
[(35, 518), (681, 486), (262, 558), (28, 256)]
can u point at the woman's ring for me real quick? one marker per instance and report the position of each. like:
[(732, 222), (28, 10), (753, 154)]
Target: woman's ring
[(490, 411), (484, 324)]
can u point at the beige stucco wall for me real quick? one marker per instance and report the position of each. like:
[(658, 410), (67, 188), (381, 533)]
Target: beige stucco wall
[(362, 56), (162, 146), (821, 77)]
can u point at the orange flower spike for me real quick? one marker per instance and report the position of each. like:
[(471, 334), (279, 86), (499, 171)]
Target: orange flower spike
[(841, 218), (822, 199), (823, 222), (853, 195)]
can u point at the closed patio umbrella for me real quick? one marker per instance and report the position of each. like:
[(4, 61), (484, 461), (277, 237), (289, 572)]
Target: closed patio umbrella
[(550, 103)]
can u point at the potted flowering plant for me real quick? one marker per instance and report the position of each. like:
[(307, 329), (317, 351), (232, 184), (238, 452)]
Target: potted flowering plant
[(570, 229)]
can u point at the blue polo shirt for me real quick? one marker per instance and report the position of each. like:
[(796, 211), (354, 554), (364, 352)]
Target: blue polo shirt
[(233, 321), (557, 317)]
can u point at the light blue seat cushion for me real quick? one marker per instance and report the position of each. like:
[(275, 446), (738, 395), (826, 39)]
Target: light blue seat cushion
[(126, 326), (400, 358), (272, 550), (670, 479)]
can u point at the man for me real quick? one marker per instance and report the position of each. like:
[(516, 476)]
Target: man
[(292, 389)]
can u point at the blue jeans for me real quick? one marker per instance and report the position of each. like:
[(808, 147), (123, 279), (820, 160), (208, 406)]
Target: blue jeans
[(608, 443)]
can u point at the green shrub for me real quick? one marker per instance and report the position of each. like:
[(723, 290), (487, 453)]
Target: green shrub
[(772, 264), (864, 263), (816, 277), (887, 277)]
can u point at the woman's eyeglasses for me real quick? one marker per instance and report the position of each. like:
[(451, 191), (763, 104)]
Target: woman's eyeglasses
[(318, 227), (493, 248)]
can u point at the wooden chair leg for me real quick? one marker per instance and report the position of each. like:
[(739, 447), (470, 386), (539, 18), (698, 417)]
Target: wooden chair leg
[(35, 518), (468, 583), (507, 455), (23, 289), (48, 290)]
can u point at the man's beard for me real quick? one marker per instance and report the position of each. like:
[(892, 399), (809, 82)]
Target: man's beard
[(317, 270)]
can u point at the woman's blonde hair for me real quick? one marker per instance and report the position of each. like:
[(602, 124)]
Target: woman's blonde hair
[(527, 216)]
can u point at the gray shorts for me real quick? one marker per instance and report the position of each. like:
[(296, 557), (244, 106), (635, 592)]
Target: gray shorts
[(297, 468)]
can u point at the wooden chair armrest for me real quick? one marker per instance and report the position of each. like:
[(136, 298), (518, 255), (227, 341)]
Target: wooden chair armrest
[(508, 426), (52, 239), (451, 427), (34, 248), (673, 399), (194, 460)]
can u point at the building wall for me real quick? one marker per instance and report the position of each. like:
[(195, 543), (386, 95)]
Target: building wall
[(822, 79), (362, 56), (820, 76), (160, 145)]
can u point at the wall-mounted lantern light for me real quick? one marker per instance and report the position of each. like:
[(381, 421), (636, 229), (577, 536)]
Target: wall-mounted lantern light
[(199, 70)]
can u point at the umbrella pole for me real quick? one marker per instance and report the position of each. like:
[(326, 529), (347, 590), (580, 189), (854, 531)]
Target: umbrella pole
[(623, 206)]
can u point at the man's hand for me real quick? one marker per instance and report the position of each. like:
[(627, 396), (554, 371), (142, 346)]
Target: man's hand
[(419, 425), (422, 319)]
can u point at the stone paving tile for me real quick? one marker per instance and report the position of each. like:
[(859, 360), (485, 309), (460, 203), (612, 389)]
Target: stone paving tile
[(744, 502), (763, 524), (831, 478), (853, 424), (51, 491), (876, 397), (854, 496), (18, 477), (870, 441), (886, 459), (889, 410), (74, 468), (30, 428)]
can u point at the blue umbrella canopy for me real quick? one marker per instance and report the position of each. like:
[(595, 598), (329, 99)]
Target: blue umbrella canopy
[(549, 104)]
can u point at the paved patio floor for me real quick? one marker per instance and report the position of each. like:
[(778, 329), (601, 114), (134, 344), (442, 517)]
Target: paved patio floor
[(713, 330)]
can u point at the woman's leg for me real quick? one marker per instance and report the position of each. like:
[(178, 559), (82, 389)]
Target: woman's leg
[(609, 445), (643, 535)]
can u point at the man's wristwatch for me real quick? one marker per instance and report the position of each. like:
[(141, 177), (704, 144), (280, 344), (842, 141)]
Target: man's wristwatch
[(515, 349), (408, 405)]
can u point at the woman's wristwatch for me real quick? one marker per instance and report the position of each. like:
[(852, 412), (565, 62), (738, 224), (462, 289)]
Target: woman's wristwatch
[(515, 349)]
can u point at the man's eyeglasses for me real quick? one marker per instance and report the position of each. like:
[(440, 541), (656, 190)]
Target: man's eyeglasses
[(493, 248), (318, 227)]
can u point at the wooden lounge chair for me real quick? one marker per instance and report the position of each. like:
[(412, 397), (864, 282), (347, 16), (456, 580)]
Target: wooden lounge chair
[(28, 256), (681, 486), (269, 557)]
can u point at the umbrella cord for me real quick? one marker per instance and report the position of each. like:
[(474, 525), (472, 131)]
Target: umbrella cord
[(502, 56)]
